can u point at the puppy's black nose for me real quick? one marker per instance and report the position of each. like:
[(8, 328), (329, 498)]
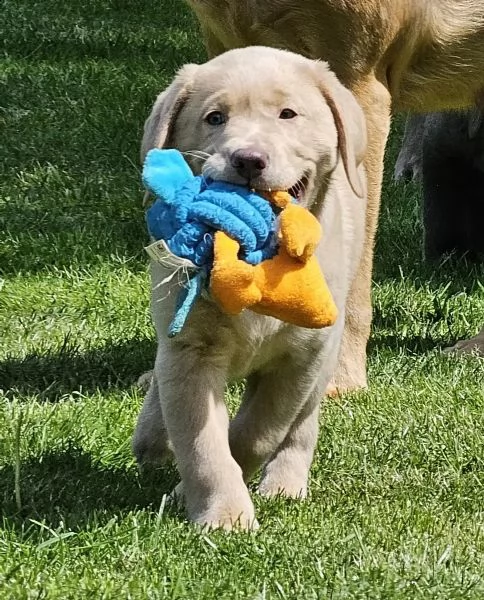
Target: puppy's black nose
[(249, 162)]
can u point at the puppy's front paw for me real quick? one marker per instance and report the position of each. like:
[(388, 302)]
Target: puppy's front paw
[(229, 519), (225, 511), (269, 489), (286, 484)]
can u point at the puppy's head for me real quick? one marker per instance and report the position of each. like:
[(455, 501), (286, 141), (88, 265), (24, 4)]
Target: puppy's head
[(261, 117)]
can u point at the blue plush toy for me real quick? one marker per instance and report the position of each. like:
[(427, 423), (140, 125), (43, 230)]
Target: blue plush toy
[(187, 212)]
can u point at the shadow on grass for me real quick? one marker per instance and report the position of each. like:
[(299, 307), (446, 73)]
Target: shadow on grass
[(452, 285), (412, 345), (78, 86), (70, 487), (50, 377)]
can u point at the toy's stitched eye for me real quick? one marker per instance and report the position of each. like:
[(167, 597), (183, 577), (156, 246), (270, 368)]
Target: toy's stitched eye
[(287, 113), (215, 118)]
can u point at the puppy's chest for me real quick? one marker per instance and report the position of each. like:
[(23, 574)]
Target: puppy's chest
[(259, 342)]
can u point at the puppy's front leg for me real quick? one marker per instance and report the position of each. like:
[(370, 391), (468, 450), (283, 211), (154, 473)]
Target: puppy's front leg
[(191, 384), (287, 471), (277, 425)]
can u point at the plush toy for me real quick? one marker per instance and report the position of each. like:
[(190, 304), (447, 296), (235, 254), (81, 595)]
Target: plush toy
[(249, 251)]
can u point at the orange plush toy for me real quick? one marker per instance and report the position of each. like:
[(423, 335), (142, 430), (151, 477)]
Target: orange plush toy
[(253, 250), (290, 286)]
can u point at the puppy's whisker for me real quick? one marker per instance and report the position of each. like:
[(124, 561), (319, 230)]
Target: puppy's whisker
[(200, 154), (207, 172), (301, 187), (195, 156)]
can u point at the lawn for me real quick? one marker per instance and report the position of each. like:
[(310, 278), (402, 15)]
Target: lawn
[(397, 492)]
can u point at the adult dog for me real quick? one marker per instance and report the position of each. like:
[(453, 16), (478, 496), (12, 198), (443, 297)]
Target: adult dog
[(446, 150), (272, 120), (420, 55)]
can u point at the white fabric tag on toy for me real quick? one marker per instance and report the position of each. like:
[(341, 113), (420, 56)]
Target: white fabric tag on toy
[(159, 252)]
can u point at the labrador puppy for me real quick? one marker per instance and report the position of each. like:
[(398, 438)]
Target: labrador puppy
[(412, 55), (310, 132)]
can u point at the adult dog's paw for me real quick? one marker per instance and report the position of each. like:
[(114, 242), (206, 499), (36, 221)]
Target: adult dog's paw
[(474, 345)]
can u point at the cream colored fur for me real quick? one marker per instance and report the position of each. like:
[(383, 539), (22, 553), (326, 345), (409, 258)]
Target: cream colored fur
[(287, 367), (423, 55)]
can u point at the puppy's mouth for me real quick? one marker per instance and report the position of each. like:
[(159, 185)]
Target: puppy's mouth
[(298, 190)]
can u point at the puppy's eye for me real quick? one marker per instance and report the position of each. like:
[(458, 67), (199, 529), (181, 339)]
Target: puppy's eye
[(287, 113), (215, 118)]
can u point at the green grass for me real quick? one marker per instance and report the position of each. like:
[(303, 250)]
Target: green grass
[(396, 506)]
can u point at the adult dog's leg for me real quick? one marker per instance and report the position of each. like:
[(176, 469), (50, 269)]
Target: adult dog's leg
[(351, 370), (408, 165), (446, 70), (191, 384)]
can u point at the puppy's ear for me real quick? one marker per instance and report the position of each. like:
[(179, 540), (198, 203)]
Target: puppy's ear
[(350, 125), (159, 125), (474, 123)]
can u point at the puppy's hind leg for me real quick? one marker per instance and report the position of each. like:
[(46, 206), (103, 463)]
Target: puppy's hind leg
[(150, 440)]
